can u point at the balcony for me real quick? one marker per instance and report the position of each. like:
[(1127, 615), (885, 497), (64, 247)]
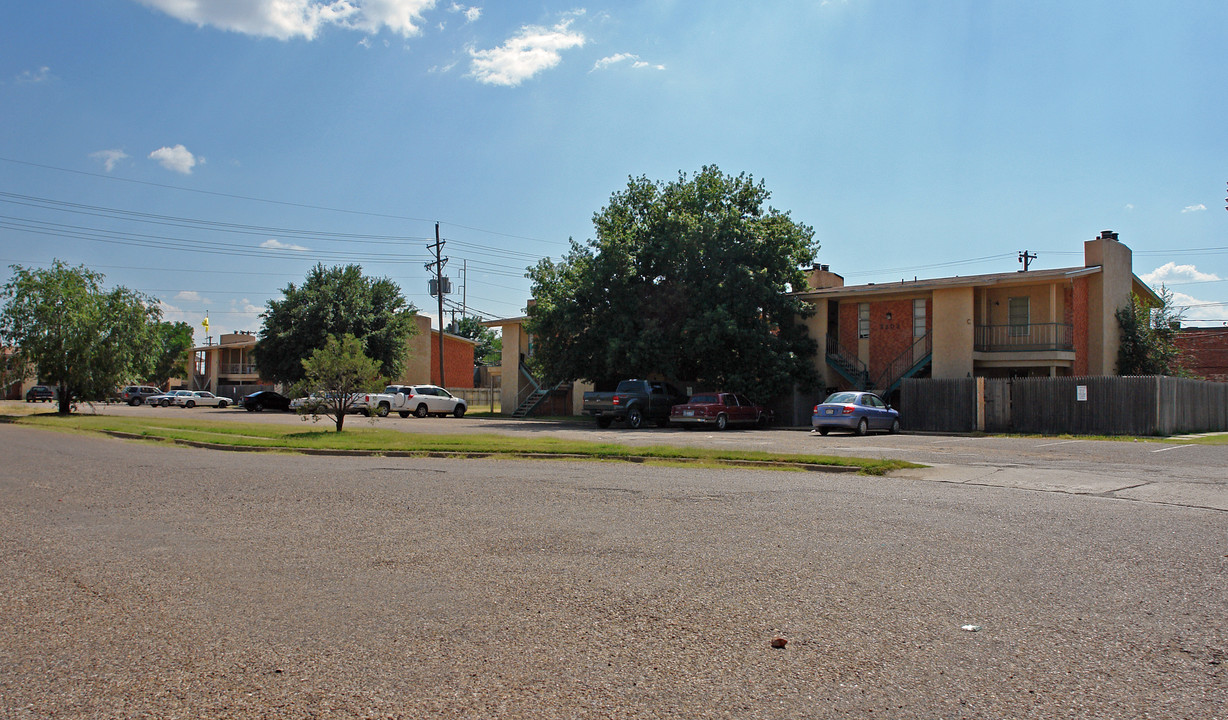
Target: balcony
[(236, 368), (1024, 338)]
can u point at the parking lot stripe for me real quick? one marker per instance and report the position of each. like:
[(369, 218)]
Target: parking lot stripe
[(1064, 442), (1174, 447)]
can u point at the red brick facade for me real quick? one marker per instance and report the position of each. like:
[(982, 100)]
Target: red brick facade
[(457, 361), (1077, 312), (1204, 352), (890, 337)]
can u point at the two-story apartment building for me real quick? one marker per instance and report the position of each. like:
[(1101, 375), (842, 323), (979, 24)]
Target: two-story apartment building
[(1028, 323)]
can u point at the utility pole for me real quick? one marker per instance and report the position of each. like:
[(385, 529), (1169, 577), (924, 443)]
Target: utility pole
[(1026, 258), (440, 261)]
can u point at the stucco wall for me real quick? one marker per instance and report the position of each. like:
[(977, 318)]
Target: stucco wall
[(954, 333)]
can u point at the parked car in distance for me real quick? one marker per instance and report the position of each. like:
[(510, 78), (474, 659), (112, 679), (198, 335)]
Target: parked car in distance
[(316, 402), (719, 410), (136, 394), (258, 401), (633, 402), (40, 393), (856, 411), (204, 398), (421, 400), (165, 399)]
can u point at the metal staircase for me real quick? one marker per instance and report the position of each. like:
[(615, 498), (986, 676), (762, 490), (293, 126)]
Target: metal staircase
[(910, 362), (537, 394), (847, 365)]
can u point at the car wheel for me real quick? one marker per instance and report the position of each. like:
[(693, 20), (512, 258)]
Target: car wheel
[(382, 410), (222, 404), (190, 404), (603, 422), (459, 411), (762, 422), (895, 426), (258, 407), (824, 431), (420, 411), (863, 426), (134, 402), (722, 422), (635, 419)]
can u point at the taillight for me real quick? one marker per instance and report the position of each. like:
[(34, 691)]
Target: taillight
[(848, 410), (616, 400), (815, 411)]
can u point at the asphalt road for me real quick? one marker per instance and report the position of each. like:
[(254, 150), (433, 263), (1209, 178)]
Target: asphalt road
[(154, 581)]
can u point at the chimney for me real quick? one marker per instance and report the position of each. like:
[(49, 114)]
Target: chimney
[(1107, 235), (821, 276)]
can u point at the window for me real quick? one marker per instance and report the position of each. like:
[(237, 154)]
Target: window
[(863, 320), (1018, 316), (918, 317)]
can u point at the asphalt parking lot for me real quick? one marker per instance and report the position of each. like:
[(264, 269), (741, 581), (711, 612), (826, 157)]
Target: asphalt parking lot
[(1172, 472), (143, 580)]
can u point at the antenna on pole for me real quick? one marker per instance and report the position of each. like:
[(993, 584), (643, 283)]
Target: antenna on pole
[(439, 287)]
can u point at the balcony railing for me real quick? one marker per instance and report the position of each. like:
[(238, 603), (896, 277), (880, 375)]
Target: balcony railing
[(1018, 338), (237, 368)]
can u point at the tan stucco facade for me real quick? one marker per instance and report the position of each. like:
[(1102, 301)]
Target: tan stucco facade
[(954, 332)]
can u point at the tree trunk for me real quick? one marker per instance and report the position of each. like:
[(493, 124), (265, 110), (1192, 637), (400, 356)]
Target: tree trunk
[(64, 399), (340, 420)]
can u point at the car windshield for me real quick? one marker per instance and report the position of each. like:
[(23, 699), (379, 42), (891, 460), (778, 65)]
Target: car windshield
[(841, 397)]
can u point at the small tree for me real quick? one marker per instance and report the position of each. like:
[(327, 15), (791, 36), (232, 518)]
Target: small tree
[(335, 373), (76, 336), (1149, 337)]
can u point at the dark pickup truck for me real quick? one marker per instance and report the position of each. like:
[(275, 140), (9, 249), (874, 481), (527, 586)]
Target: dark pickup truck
[(633, 402)]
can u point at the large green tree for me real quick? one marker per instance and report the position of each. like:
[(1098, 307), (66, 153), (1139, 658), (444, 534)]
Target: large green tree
[(75, 335), (1149, 337), (174, 340), (686, 279), (333, 302)]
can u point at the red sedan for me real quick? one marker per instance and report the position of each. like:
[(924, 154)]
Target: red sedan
[(720, 410)]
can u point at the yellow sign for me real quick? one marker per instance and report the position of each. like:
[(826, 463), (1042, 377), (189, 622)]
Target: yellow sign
[(206, 324)]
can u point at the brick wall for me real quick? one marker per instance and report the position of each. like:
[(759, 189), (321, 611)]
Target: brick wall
[(1204, 352), (457, 361), (889, 337), (848, 326), (1078, 312)]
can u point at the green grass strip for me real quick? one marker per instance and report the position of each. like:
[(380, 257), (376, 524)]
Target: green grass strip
[(367, 439)]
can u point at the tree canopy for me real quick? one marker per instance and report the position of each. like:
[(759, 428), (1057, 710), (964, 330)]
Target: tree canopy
[(332, 302), (489, 350), (335, 373), (1149, 337), (686, 280), (174, 340), (84, 340)]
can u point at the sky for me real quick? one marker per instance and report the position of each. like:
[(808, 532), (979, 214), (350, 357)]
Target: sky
[(210, 152)]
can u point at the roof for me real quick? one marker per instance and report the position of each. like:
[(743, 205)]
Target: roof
[(1006, 279)]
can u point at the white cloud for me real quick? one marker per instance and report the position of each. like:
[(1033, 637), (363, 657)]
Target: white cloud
[(246, 316), (617, 58), (1171, 273), (1193, 208), (1197, 312), (471, 13), (43, 74), (109, 158), (286, 19), (275, 244), (524, 55), (192, 296), (176, 158)]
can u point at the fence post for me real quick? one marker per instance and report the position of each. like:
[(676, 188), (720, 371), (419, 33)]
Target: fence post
[(980, 403)]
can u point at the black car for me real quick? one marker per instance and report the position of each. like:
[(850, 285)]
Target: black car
[(40, 393), (259, 401)]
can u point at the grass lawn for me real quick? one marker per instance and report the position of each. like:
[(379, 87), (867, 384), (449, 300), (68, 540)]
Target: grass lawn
[(374, 440)]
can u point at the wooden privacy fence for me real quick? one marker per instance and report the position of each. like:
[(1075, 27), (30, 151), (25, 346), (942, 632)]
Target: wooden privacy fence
[(1101, 405)]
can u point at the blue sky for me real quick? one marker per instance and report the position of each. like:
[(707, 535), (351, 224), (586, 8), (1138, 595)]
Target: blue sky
[(208, 152)]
